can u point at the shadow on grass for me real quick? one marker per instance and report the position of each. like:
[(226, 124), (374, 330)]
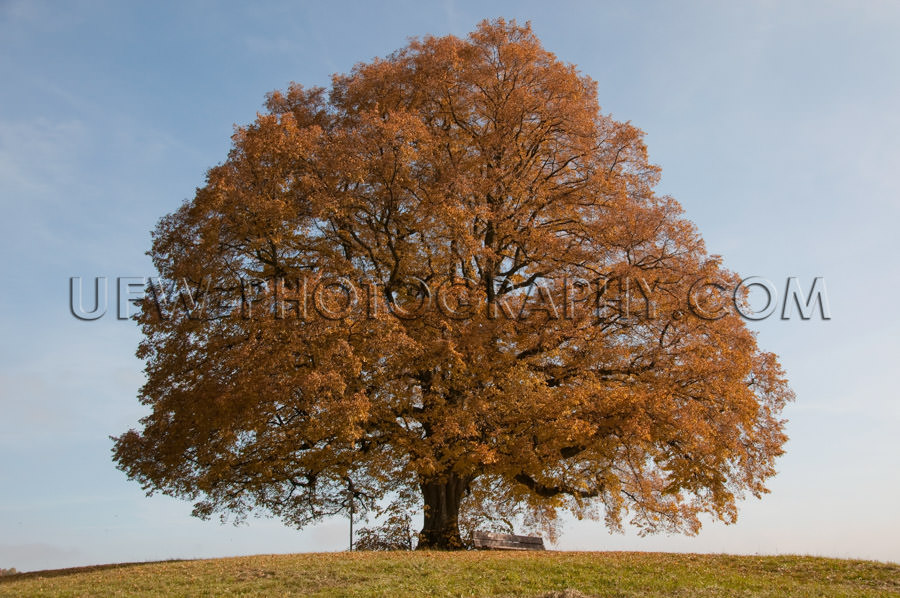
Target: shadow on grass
[(46, 573)]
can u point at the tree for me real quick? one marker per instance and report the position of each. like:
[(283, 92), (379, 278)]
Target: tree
[(503, 311), (394, 533)]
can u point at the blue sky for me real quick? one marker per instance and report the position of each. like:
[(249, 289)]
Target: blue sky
[(776, 126)]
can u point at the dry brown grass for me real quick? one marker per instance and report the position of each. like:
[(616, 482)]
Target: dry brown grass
[(547, 574)]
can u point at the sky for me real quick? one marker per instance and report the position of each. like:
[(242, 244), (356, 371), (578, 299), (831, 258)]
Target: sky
[(775, 124)]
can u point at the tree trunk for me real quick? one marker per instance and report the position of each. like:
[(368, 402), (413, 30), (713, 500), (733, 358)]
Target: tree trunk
[(442, 497)]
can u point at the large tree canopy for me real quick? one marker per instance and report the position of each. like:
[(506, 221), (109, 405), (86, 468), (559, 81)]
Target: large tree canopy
[(536, 382)]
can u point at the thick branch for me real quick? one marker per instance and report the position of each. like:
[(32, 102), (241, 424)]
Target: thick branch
[(551, 491)]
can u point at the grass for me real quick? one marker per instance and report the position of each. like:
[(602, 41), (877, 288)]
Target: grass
[(538, 574)]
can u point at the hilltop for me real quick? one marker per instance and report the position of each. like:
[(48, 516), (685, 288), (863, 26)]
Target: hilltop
[(537, 574)]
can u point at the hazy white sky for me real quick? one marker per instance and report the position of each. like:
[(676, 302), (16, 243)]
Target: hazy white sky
[(776, 125)]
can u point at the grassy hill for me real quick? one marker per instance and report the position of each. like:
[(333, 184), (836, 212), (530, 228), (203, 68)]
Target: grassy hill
[(547, 574)]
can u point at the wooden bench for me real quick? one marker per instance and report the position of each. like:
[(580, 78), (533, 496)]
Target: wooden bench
[(492, 541)]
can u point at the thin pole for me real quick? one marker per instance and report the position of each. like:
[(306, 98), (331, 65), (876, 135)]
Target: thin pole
[(350, 492)]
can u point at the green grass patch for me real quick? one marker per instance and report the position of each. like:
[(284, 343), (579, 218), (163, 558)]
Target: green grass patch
[(544, 574)]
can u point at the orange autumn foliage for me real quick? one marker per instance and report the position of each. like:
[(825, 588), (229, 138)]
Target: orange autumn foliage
[(486, 160)]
